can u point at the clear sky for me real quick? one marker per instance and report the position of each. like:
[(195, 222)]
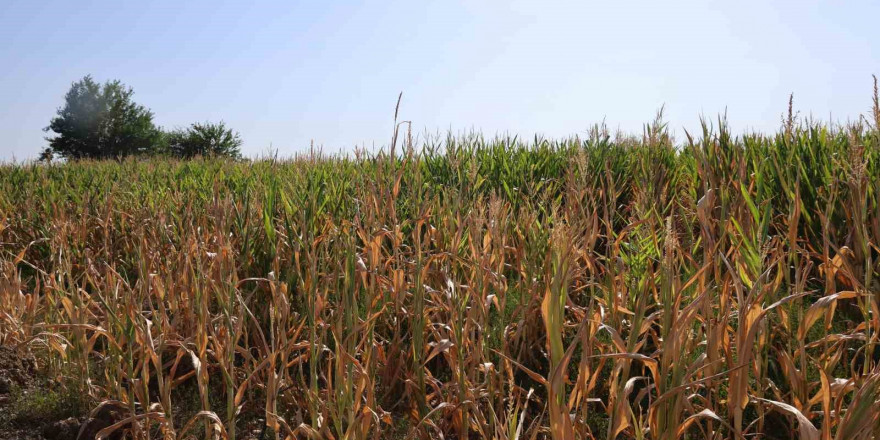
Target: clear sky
[(284, 73)]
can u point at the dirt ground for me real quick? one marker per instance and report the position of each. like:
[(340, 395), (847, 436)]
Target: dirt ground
[(33, 407), (25, 410)]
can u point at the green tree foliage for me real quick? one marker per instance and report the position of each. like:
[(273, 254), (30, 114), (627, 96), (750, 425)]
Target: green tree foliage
[(101, 121), (204, 139)]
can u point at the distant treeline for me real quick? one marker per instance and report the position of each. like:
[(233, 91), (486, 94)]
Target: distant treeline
[(101, 121)]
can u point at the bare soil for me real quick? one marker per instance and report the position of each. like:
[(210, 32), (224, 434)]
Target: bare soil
[(19, 383)]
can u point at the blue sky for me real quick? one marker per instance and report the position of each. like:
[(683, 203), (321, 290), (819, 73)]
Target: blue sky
[(284, 73)]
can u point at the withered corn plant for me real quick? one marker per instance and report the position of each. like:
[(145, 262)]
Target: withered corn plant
[(615, 286)]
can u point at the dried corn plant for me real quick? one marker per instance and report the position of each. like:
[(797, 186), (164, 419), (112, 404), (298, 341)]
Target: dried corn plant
[(607, 287)]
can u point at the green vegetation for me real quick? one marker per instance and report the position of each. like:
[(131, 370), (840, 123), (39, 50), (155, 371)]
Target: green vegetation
[(101, 121), (606, 287), (204, 139)]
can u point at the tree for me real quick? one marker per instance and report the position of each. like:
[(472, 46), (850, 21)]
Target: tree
[(101, 121), (46, 155), (204, 139)]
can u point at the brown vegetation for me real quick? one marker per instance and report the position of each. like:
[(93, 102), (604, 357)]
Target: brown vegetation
[(608, 287)]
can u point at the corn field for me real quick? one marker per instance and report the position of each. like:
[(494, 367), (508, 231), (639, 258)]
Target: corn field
[(608, 286)]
